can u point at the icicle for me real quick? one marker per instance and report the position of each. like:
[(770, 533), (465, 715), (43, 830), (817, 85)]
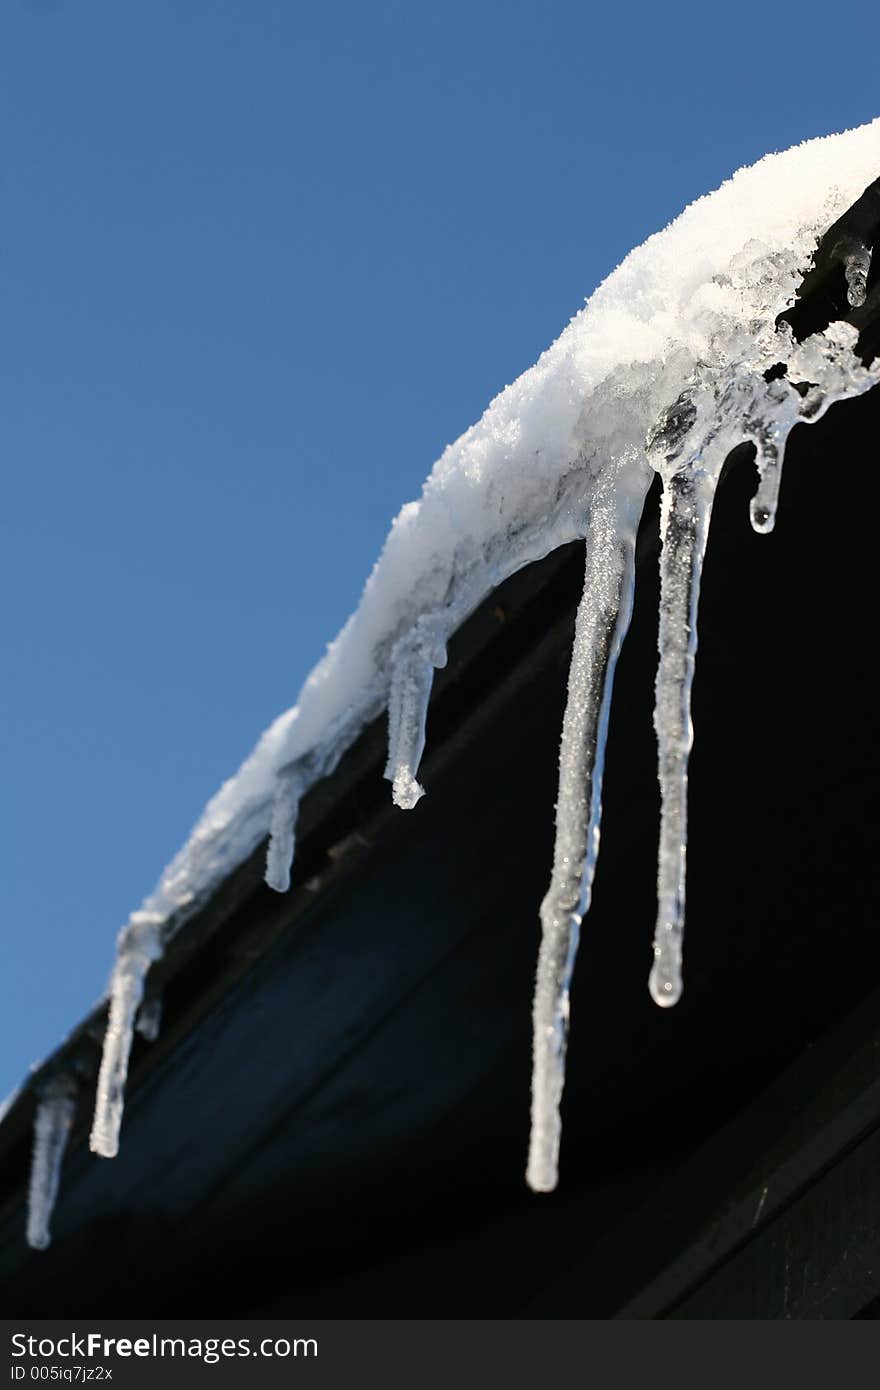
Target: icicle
[(414, 660), (762, 509), (52, 1125), (857, 266), (768, 423), (825, 370), (139, 946), (282, 830), (149, 1019), (687, 505), (602, 620)]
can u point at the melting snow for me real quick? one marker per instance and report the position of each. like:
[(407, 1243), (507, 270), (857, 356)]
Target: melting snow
[(662, 371)]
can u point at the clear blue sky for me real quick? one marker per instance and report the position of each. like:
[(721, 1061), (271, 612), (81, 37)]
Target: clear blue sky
[(260, 262)]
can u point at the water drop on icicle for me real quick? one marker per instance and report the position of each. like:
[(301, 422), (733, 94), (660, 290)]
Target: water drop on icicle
[(414, 660), (52, 1125), (602, 620), (687, 506), (139, 946)]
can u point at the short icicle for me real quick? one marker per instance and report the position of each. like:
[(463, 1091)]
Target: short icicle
[(857, 268), (602, 620), (415, 658), (52, 1125), (282, 830), (139, 946), (687, 506), (762, 509), (149, 1019)]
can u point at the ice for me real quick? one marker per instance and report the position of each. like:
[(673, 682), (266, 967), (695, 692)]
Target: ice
[(415, 658), (687, 318), (762, 509), (688, 446), (768, 435), (149, 1019), (52, 1124), (139, 946), (602, 620), (687, 505), (282, 830), (857, 266), (291, 782)]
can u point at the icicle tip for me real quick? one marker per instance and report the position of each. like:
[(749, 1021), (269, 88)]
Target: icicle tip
[(664, 991), (405, 790), (763, 519)]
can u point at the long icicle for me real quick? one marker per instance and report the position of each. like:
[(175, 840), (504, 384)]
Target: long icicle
[(139, 946), (602, 621), (52, 1125), (687, 507)]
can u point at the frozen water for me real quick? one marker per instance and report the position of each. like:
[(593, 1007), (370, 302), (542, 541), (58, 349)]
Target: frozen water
[(688, 449), (149, 1019), (282, 829), (857, 267), (687, 506), (52, 1124), (666, 363), (602, 620), (139, 945), (415, 658)]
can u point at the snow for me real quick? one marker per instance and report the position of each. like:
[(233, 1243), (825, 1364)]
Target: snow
[(663, 369)]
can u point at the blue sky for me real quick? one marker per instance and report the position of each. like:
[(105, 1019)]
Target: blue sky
[(260, 262)]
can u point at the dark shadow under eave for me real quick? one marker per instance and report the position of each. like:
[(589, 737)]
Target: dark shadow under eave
[(340, 1126)]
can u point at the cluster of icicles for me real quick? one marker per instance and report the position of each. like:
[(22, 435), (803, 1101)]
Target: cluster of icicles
[(717, 409)]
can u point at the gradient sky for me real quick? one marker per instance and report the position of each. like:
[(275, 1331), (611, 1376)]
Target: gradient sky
[(260, 262)]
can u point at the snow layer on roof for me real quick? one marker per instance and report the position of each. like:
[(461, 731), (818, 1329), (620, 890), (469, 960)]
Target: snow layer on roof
[(691, 310), (501, 495)]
